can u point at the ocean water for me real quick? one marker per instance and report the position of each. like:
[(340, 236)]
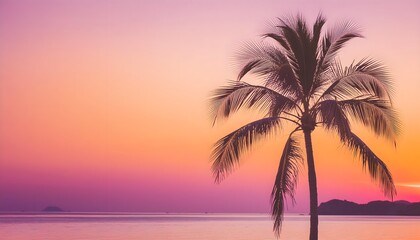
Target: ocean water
[(83, 226)]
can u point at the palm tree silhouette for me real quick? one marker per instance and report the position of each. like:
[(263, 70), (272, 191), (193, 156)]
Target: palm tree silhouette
[(305, 84)]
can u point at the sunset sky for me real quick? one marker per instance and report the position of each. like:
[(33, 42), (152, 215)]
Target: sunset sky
[(104, 104)]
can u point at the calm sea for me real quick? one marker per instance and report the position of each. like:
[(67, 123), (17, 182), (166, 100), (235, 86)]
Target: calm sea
[(200, 227)]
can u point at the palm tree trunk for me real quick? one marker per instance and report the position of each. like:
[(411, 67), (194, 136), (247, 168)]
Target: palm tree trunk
[(312, 186)]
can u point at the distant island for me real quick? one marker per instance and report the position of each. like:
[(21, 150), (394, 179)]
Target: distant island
[(343, 207), (52, 209)]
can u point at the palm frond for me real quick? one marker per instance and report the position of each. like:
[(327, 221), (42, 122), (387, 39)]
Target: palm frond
[(269, 62), (286, 179), (279, 39), (376, 69), (227, 150), (334, 40), (295, 53), (376, 167), (302, 54), (284, 81), (259, 58), (367, 77), (333, 117), (229, 99), (374, 113), (301, 46), (316, 31), (317, 79)]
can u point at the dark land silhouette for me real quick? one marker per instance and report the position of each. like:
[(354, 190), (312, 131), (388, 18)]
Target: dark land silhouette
[(343, 207)]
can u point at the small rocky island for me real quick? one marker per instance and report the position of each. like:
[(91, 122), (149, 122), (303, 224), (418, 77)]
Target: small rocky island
[(52, 209), (343, 207)]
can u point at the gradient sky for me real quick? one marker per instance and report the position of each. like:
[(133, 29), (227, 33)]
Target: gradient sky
[(104, 104)]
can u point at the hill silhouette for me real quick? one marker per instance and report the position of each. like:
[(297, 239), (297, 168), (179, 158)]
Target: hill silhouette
[(343, 207)]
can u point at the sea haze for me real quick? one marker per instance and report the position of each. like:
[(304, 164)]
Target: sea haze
[(65, 226)]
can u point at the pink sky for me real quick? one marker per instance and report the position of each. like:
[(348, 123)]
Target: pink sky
[(103, 104)]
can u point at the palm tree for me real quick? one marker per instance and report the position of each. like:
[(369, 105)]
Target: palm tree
[(304, 83)]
